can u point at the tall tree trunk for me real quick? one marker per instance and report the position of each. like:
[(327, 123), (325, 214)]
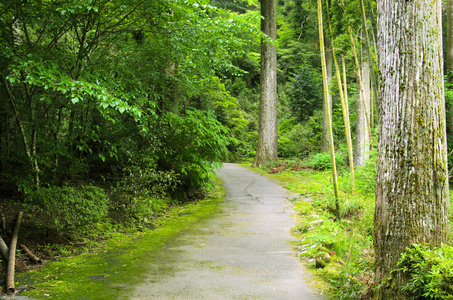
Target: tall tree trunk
[(368, 53), (362, 140), (327, 101), (267, 134), (360, 87), (412, 201)]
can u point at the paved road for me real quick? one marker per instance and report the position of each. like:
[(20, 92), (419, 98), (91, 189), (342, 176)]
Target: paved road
[(244, 252)]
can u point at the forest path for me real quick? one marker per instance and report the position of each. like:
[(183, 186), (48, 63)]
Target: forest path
[(243, 252)]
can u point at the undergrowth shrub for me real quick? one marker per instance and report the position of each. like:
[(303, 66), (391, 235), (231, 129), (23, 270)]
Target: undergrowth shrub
[(145, 181), (68, 208), (294, 139), (354, 279), (193, 145), (322, 161), (430, 271), (142, 193), (366, 176)]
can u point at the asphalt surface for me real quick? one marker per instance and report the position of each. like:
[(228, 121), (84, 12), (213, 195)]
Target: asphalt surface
[(243, 252)]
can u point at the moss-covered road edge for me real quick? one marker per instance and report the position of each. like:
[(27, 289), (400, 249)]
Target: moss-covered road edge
[(112, 271)]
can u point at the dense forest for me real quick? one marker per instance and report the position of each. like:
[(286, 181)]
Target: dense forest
[(114, 110)]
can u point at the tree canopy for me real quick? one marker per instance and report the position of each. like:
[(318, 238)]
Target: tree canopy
[(107, 84)]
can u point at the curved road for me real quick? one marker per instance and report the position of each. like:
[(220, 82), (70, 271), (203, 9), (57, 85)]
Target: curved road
[(243, 252)]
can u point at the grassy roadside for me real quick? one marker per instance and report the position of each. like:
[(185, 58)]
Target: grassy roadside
[(112, 269), (340, 253)]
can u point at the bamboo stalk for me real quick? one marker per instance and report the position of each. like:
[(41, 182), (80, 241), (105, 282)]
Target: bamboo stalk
[(10, 288), (328, 112), (345, 81), (346, 99), (345, 108)]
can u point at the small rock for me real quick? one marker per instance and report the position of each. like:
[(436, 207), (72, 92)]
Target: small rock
[(311, 225), (310, 260), (322, 260), (315, 223)]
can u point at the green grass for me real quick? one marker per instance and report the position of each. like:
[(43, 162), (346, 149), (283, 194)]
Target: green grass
[(112, 270)]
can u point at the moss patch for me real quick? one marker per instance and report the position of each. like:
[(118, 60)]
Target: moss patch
[(117, 266)]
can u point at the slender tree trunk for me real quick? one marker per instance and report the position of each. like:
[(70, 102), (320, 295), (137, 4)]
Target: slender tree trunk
[(360, 86), (362, 139), (344, 105), (327, 101), (412, 201), (267, 134), (29, 147), (34, 132), (10, 287), (449, 33), (449, 62), (176, 90), (328, 112)]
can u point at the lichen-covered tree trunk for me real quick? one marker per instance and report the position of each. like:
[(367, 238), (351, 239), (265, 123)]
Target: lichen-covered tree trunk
[(362, 139), (412, 187), (267, 133)]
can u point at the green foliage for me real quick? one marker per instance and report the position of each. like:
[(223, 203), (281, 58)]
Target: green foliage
[(430, 272), (294, 139), (306, 92), (366, 176), (296, 29), (194, 145), (322, 161), (83, 78), (67, 208), (147, 182), (352, 280), (142, 193)]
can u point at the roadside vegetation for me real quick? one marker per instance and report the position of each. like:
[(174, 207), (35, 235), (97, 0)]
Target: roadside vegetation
[(76, 269), (341, 251), (115, 113)]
